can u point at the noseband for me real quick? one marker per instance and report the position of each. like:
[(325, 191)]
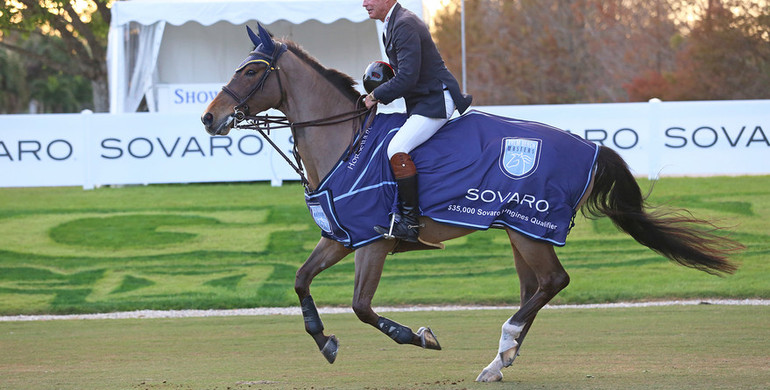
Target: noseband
[(241, 109)]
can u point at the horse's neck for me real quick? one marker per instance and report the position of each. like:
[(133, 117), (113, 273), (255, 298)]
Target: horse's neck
[(319, 147)]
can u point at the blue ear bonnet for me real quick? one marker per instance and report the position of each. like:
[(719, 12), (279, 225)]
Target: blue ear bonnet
[(266, 50)]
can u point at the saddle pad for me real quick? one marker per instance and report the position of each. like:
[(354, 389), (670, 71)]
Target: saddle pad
[(478, 171)]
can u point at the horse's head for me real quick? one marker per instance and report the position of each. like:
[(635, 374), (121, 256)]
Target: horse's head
[(250, 89)]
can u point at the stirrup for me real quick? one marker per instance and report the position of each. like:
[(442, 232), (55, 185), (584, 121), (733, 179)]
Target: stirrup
[(387, 233)]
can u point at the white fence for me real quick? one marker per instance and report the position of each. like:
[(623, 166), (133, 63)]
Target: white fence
[(657, 138)]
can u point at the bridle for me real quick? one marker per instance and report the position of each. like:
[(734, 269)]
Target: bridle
[(241, 109), (264, 123)]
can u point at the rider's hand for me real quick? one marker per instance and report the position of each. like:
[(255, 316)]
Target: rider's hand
[(370, 101)]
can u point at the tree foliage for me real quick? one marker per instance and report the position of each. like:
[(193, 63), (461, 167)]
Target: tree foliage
[(64, 42), (53, 90), (12, 83), (725, 56), (591, 51)]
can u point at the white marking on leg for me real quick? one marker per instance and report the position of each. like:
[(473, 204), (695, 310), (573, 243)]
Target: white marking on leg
[(492, 373), (508, 337), (496, 365)]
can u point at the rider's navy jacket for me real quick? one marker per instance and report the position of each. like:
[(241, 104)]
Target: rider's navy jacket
[(420, 71)]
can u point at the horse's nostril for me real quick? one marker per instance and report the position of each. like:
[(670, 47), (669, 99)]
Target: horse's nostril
[(207, 119)]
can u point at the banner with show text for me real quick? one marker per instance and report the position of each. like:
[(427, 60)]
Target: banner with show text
[(104, 149)]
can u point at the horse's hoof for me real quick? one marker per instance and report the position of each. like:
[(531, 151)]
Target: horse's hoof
[(489, 375), (330, 349), (428, 339)]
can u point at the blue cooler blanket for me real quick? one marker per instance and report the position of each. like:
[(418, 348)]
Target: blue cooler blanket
[(478, 171)]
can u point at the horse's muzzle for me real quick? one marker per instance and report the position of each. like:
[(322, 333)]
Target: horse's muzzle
[(223, 128)]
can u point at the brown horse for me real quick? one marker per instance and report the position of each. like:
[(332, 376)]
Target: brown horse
[(282, 76)]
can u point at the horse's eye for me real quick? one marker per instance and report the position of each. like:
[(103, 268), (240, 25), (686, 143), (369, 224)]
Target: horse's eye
[(251, 72)]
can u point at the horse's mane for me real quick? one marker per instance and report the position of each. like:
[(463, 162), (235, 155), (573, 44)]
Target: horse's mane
[(340, 80)]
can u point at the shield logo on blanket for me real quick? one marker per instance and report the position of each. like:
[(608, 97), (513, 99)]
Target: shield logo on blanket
[(320, 217), (519, 157)]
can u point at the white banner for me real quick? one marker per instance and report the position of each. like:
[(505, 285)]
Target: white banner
[(659, 138), (42, 150), (143, 148), (668, 138)]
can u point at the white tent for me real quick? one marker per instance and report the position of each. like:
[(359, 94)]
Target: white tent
[(178, 53)]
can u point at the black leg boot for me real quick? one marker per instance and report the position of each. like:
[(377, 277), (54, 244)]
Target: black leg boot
[(407, 226)]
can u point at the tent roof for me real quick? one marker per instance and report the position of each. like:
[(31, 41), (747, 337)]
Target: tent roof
[(207, 12)]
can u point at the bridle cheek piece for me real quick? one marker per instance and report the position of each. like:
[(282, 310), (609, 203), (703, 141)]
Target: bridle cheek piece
[(241, 109)]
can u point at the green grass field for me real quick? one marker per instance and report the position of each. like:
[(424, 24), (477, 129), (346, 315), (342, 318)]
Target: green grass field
[(673, 348), (65, 250)]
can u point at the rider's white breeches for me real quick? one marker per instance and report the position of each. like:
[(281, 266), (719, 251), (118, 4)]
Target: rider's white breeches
[(417, 129)]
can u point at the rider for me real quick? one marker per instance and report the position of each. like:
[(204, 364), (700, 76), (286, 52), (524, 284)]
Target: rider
[(431, 93)]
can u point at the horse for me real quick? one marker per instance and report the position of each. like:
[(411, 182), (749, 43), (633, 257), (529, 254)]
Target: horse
[(323, 110)]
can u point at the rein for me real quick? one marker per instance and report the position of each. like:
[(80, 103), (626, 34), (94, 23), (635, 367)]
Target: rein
[(265, 123)]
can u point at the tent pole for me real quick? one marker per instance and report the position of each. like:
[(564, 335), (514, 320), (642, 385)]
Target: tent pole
[(462, 39)]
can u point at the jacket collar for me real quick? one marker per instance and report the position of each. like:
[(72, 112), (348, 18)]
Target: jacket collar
[(392, 22)]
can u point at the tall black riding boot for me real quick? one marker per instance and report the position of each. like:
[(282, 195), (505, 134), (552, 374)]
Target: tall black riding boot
[(407, 226)]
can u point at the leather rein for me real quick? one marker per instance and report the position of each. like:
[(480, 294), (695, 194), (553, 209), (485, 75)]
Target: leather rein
[(243, 120)]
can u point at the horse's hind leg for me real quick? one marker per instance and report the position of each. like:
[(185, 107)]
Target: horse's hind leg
[(326, 254), (542, 277), (370, 261), (528, 285)]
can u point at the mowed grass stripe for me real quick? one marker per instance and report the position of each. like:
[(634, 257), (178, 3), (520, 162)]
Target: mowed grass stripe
[(212, 246)]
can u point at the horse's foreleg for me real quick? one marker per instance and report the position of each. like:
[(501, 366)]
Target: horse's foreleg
[(328, 345), (325, 254), (370, 261)]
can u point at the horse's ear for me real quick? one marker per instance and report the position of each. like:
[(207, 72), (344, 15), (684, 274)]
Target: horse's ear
[(266, 38), (254, 37)]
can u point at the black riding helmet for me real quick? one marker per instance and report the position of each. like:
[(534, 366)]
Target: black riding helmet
[(376, 74)]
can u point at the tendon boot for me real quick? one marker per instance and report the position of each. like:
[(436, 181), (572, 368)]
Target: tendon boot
[(407, 226)]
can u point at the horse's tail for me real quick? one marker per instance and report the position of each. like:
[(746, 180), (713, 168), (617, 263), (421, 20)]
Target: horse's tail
[(674, 234)]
